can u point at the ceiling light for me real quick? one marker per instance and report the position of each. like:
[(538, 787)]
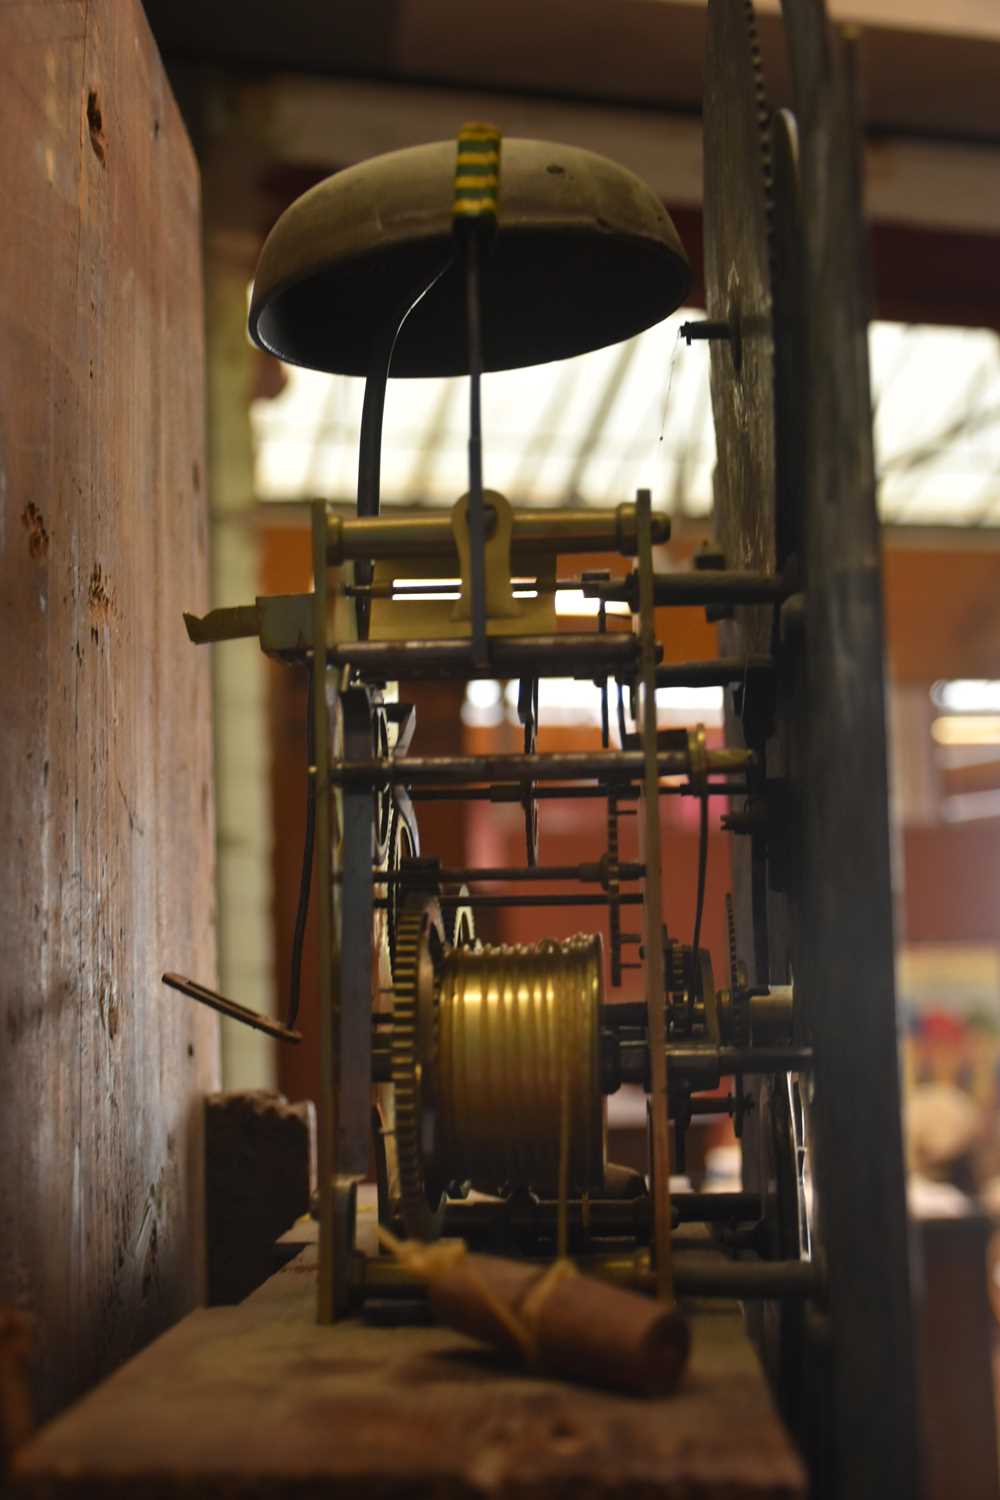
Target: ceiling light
[(576, 602), (967, 695), (695, 700), (483, 706)]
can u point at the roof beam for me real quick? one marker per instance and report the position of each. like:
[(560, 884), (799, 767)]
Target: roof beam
[(328, 123), (928, 68)]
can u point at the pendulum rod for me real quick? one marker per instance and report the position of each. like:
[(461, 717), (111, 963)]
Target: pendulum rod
[(477, 179), (477, 528)]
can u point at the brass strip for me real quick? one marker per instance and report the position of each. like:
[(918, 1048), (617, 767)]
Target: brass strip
[(326, 1121), (431, 535), (656, 1021)]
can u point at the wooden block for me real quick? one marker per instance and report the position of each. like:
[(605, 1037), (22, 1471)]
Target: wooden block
[(260, 1175)]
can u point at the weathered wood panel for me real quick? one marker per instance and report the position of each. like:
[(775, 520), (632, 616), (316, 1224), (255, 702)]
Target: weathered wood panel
[(106, 808)]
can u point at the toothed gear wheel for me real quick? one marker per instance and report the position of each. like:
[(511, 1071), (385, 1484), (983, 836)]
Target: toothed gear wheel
[(613, 888), (678, 960), (731, 934), (738, 986), (401, 846), (411, 1052), (741, 1019), (739, 230)]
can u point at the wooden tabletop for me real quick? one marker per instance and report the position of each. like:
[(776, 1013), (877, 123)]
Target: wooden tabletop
[(258, 1400)]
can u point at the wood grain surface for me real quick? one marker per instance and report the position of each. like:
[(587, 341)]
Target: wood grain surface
[(843, 952), (106, 809), (260, 1400)]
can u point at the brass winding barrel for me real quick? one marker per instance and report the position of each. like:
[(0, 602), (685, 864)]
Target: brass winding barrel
[(517, 1026)]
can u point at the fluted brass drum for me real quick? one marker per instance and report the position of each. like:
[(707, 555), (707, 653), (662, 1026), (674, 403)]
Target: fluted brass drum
[(518, 1033)]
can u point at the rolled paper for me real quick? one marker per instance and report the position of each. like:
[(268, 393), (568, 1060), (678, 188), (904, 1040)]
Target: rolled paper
[(554, 1318)]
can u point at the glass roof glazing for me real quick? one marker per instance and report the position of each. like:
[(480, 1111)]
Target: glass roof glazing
[(591, 430)]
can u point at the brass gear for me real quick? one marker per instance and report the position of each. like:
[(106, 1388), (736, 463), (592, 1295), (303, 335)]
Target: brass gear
[(678, 958), (739, 996), (738, 234), (401, 846), (612, 884), (411, 1053)]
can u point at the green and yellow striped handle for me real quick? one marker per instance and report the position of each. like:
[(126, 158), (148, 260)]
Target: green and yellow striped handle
[(477, 173)]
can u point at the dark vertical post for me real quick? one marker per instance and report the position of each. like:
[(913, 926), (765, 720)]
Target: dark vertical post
[(844, 969), (326, 1115)]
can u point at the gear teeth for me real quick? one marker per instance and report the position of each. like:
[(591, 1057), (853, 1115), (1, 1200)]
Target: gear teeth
[(406, 1067), (614, 893), (737, 989), (765, 114), (731, 933)]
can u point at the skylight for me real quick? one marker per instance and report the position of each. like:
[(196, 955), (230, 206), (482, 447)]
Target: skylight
[(591, 430)]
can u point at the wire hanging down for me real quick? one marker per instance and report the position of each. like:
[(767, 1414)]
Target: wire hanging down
[(370, 441)]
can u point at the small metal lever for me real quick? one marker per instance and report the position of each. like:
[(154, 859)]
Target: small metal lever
[(195, 991)]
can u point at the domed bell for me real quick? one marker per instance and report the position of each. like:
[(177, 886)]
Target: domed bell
[(585, 255)]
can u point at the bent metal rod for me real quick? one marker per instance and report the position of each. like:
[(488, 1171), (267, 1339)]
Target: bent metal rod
[(424, 770)]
